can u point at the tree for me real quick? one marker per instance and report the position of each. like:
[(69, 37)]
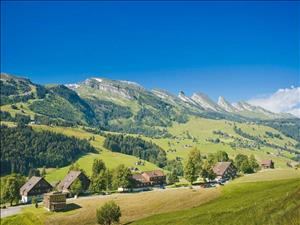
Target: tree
[(221, 156), (74, 167), (246, 167), (101, 177), (98, 182), (76, 187), (253, 163), (98, 166), (108, 214), (244, 164), (43, 173), (10, 191), (193, 165), (239, 159), (172, 177), (121, 177), (33, 172), (207, 172)]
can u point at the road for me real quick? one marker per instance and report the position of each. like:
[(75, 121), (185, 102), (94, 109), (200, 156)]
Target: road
[(12, 210), (17, 209)]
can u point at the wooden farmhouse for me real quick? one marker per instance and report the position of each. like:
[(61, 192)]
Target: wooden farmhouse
[(224, 171), (34, 187), (65, 184), (148, 179), (55, 201), (267, 164)]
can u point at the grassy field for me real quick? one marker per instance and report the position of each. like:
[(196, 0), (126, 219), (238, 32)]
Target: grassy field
[(248, 200), (202, 129), (199, 128), (255, 203), (111, 159)]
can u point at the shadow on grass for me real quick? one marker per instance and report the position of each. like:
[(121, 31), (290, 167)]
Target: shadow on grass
[(70, 207)]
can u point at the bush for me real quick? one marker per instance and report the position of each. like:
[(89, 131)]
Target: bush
[(108, 214)]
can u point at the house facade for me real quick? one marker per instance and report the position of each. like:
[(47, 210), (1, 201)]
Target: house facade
[(148, 179), (267, 164), (224, 171), (65, 185), (35, 187)]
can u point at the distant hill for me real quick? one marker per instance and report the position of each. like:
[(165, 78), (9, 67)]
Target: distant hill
[(120, 106)]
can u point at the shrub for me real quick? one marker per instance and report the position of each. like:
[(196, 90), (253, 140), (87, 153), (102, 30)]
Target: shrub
[(108, 214)]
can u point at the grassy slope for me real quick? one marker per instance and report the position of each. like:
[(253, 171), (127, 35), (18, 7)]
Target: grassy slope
[(268, 203), (202, 129), (237, 200), (111, 159)]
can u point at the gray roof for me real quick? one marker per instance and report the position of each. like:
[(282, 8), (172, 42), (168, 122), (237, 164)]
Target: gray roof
[(30, 184), (68, 180), (221, 167)]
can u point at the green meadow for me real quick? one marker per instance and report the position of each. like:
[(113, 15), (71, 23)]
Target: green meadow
[(270, 197), (251, 203)]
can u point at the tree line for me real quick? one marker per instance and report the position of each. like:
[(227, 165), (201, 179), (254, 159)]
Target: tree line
[(137, 147), (198, 165), (22, 148)]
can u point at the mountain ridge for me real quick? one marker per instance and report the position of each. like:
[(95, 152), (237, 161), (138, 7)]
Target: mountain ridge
[(120, 106)]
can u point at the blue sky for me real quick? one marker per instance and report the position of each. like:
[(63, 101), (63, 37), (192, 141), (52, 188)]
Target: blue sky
[(236, 49)]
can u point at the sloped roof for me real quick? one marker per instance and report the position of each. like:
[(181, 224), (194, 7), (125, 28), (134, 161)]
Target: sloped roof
[(221, 167), (154, 173), (68, 180), (31, 184), (139, 177), (266, 162)]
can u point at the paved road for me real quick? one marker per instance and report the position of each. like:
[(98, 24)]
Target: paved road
[(12, 210)]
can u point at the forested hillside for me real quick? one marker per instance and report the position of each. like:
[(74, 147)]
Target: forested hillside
[(22, 149), (137, 147)]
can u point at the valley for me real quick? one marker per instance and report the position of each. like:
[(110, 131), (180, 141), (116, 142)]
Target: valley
[(84, 116)]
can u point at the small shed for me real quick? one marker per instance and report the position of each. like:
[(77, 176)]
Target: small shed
[(55, 201), (267, 164)]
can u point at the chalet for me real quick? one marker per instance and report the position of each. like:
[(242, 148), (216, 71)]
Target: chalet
[(267, 164), (224, 171), (34, 187), (155, 177), (65, 184), (148, 179), (55, 201)]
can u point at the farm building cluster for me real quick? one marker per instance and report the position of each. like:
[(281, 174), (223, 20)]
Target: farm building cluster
[(39, 189)]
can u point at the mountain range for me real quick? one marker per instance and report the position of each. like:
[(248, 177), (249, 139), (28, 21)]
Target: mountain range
[(122, 106)]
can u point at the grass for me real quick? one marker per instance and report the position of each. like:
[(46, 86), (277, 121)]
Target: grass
[(270, 175), (261, 198), (255, 203), (22, 219), (202, 129), (111, 159), (133, 206)]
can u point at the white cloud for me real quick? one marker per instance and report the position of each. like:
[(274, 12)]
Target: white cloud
[(284, 100)]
